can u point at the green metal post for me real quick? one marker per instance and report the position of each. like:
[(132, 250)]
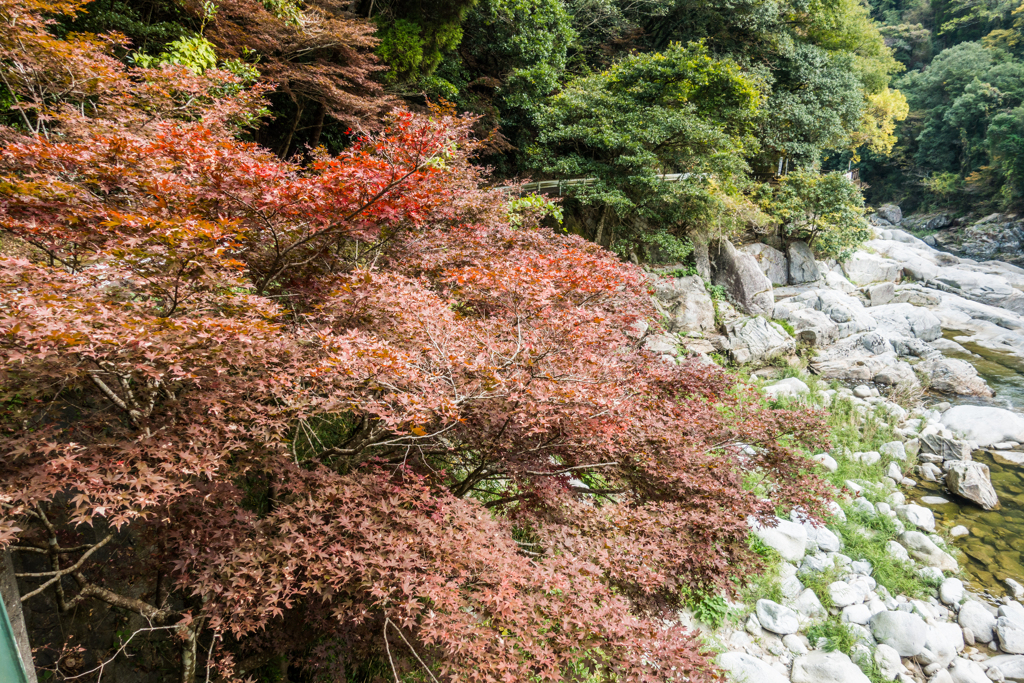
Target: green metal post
[(12, 669)]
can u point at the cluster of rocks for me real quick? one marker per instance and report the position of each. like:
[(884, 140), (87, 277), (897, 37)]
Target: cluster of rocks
[(997, 235), (948, 638), (883, 316)]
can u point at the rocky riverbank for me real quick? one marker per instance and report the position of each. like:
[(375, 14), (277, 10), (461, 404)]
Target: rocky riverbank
[(879, 592)]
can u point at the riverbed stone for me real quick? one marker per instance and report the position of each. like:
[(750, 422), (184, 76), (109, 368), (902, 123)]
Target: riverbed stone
[(826, 539), (1011, 666), (866, 457), (826, 461), (894, 449), (945, 640), (796, 644), (906, 633), (888, 662), (742, 278), (897, 551), (744, 667), (1013, 611), (985, 425), (971, 480), (789, 387), (777, 618), (965, 671), (1010, 635), (844, 593), (826, 667), (919, 516), (771, 261), (946, 448), (802, 266), (856, 614), (959, 530), (951, 591), (894, 472), (922, 549), (808, 604), (756, 339), (975, 616), (788, 538)]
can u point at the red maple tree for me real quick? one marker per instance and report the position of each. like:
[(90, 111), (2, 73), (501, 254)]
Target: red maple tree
[(348, 412)]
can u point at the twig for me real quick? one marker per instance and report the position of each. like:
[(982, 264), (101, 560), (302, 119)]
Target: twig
[(387, 620), (60, 572)]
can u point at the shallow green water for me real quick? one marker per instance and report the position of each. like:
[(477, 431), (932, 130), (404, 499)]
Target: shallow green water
[(1003, 372), (995, 549)]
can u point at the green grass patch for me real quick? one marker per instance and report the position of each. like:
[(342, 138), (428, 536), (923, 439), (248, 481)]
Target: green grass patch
[(899, 578)]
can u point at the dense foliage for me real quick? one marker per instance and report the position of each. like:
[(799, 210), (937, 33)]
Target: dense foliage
[(344, 417), (960, 147)]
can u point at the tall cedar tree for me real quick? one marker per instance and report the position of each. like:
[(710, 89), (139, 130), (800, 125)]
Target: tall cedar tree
[(345, 412)]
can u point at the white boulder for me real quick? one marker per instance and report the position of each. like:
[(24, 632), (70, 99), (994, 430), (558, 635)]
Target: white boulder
[(744, 668), (904, 632), (788, 538), (976, 617), (826, 667), (985, 425)]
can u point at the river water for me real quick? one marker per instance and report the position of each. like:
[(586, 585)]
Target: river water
[(994, 550)]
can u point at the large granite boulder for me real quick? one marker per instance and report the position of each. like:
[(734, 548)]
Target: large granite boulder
[(864, 366), (771, 261), (802, 266), (742, 278), (985, 425), (743, 667), (813, 327), (890, 213), (863, 268), (954, 376), (845, 311), (971, 480), (686, 303), (786, 537), (924, 550), (904, 632), (982, 287), (908, 321), (947, 449), (976, 617), (826, 667), (757, 340)]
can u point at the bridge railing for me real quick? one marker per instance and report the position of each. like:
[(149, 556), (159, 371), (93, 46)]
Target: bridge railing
[(558, 186)]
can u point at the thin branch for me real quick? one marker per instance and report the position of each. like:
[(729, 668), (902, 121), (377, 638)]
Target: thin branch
[(387, 620), (571, 469), (61, 572)]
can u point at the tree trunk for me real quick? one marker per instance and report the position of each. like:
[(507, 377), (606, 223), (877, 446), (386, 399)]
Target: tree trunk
[(283, 153), (599, 233), (188, 654), (701, 255), (318, 126)]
